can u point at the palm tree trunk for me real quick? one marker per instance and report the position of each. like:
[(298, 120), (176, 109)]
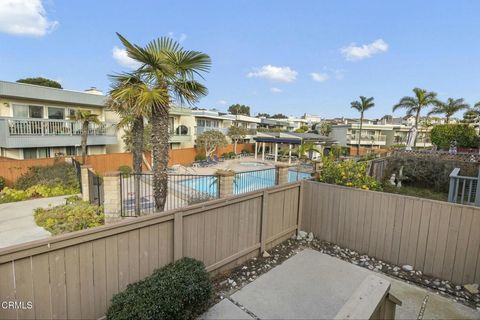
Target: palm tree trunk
[(447, 119), (360, 134), (83, 141), (159, 119), (235, 146), (137, 139)]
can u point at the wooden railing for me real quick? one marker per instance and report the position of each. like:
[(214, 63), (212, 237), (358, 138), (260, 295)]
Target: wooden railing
[(463, 189), (75, 275)]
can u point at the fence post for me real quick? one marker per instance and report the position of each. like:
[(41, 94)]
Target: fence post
[(111, 202), (282, 170), (452, 193), (85, 182), (263, 228), (178, 236), (477, 191), (225, 179)]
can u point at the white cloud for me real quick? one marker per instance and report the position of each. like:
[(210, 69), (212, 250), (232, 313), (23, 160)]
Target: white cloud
[(354, 52), (282, 74), (182, 37), (275, 90), (25, 17), (222, 102), (122, 58), (319, 76)]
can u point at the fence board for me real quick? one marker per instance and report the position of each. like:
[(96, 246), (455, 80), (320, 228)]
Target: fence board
[(439, 238), (40, 297)]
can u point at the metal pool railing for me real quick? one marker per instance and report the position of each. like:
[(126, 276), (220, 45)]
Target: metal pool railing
[(253, 180), (136, 192)]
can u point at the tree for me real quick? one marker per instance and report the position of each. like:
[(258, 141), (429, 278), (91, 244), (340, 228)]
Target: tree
[(279, 116), (263, 115), (239, 109), (306, 148), (444, 134), (361, 106), (416, 104), (449, 108), (471, 116), (211, 140), (85, 117), (171, 72), (39, 81), (236, 133), (302, 129), (325, 129)]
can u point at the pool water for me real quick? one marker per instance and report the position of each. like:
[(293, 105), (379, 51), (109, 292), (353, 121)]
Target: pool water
[(244, 182)]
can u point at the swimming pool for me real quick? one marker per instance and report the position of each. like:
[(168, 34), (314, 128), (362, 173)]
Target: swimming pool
[(252, 164), (244, 181)]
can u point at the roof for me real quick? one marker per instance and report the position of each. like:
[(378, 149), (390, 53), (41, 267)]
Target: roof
[(34, 92), (208, 114), (292, 137)]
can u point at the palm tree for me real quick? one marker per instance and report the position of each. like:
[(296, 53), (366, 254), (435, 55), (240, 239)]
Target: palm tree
[(170, 72), (449, 108), (416, 104), (361, 106), (305, 148), (85, 117)]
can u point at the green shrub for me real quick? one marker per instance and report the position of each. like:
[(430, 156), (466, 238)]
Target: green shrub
[(59, 174), (180, 290), (200, 157), (443, 135), (348, 173), (245, 150), (2, 183), (70, 217), (36, 191), (125, 170)]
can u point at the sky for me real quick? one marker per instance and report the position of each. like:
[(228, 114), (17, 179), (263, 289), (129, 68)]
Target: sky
[(291, 57)]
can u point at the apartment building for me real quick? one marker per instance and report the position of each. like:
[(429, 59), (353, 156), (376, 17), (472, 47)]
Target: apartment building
[(246, 122), (375, 136), (36, 122)]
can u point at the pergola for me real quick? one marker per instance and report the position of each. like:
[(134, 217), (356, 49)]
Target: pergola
[(287, 138)]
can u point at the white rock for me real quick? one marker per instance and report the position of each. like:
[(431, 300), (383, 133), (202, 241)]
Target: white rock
[(472, 288), (310, 236), (266, 254), (407, 267), (302, 234), (244, 267)]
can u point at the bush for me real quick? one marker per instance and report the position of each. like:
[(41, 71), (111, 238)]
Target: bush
[(180, 290), (74, 216), (36, 191), (125, 170), (443, 135), (348, 173), (59, 174), (200, 157), (245, 150), (2, 183)]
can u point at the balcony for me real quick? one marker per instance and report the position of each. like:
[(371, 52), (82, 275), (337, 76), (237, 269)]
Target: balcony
[(200, 130), (30, 133), (377, 140)]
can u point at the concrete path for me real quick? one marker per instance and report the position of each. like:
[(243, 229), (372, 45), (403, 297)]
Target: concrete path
[(16, 220), (312, 285)]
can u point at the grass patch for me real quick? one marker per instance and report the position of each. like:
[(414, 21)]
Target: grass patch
[(419, 192), (73, 216)]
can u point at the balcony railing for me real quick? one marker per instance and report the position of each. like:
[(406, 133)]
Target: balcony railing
[(50, 127), (200, 130), (367, 139)]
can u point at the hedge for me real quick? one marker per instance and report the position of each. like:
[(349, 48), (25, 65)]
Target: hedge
[(443, 135), (59, 174), (180, 290)]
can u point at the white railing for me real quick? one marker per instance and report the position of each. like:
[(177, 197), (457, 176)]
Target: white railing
[(200, 130), (367, 138), (464, 189), (46, 127)]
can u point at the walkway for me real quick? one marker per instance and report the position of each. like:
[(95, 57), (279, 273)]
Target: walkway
[(16, 220), (313, 285)]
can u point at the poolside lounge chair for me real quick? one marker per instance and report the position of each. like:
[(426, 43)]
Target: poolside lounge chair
[(215, 157), (212, 162)]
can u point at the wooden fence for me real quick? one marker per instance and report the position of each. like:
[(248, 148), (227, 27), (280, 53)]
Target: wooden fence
[(76, 275), (12, 169), (440, 238)]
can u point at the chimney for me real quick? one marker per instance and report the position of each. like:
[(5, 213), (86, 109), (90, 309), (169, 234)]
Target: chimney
[(94, 90)]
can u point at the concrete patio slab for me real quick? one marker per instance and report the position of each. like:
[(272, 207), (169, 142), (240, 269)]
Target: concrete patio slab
[(225, 309), (313, 285)]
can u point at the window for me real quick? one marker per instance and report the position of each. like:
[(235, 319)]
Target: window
[(201, 123), (43, 152), (73, 151), (56, 113), (30, 153), (181, 130), (20, 111), (35, 112), (170, 124)]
